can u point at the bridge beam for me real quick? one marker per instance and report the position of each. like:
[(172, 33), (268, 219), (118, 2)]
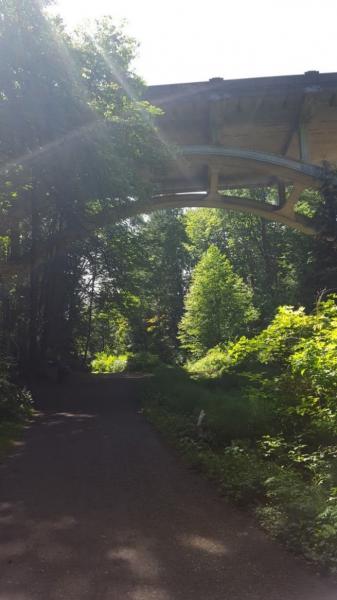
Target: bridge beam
[(234, 203), (272, 164), (281, 170)]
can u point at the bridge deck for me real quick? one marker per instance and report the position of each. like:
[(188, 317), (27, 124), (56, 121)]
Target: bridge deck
[(270, 131)]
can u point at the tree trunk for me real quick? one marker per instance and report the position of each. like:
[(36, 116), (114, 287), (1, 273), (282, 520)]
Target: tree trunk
[(34, 282), (91, 304), (266, 253)]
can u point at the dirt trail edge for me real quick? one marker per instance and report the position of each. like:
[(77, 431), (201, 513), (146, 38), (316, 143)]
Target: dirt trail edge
[(94, 506)]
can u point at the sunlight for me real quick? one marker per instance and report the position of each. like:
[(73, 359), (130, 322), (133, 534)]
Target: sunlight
[(119, 330), (41, 150), (10, 550), (208, 545), (63, 523), (150, 593), (129, 92), (139, 560), (75, 415)]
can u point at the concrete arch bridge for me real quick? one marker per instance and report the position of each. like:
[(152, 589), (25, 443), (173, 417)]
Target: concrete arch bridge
[(270, 132)]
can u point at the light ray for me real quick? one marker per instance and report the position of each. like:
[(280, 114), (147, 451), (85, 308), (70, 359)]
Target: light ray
[(129, 92), (36, 153)]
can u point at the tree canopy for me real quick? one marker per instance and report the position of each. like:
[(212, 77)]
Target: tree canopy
[(218, 304)]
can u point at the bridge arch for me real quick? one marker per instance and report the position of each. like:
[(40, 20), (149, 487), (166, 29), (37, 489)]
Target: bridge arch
[(237, 134)]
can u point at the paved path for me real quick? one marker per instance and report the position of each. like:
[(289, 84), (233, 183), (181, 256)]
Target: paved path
[(94, 506)]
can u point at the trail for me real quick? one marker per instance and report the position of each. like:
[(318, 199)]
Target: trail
[(95, 506)]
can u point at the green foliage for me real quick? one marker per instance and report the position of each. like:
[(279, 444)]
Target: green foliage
[(315, 357), (139, 361), (241, 474), (16, 406), (217, 306), (108, 363), (15, 403), (229, 417), (110, 332), (270, 348), (78, 143), (143, 361), (214, 364), (293, 362), (79, 147), (303, 515), (274, 259), (162, 279), (269, 435)]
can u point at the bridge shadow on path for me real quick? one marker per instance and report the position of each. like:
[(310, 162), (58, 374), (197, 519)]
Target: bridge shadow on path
[(94, 506)]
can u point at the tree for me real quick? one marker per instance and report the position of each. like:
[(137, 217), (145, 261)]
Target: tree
[(275, 259), (77, 140), (163, 287), (218, 305), (140, 267)]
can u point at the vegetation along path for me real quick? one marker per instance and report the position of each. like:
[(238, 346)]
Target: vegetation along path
[(93, 505)]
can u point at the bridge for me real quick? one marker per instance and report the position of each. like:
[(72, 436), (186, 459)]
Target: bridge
[(230, 137)]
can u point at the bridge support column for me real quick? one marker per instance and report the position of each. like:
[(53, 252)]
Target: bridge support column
[(213, 183)]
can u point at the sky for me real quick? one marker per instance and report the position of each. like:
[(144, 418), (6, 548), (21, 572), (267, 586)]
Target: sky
[(191, 40)]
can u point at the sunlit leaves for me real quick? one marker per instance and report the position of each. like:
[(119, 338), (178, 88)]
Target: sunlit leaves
[(217, 305)]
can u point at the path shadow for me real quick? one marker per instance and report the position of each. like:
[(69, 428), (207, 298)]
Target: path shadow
[(94, 506)]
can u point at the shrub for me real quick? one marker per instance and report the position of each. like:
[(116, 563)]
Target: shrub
[(143, 361), (212, 365), (269, 434), (270, 348), (108, 363), (303, 515), (15, 403), (293, 362), (230, 415)]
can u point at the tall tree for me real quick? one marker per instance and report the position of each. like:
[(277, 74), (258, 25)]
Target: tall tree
[(274, 259), (141, 278), (218, 305), (163, 279), (77, 140)]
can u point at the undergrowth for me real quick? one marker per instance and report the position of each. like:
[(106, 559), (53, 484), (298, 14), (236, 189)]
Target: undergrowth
[(132, 361), (269, 435), (15, 407)]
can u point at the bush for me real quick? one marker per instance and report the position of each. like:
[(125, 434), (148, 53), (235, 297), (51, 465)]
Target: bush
[(293, 362), (108, 363), (269, 350), (143, 361), (268, 438), (229, 416), (240, 472), (293, 492), (303, 515), (15, 407), (15, 403), (212, 365)]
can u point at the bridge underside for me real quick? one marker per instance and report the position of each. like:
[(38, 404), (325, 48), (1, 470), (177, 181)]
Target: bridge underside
[(230, 137), (207, 176)]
